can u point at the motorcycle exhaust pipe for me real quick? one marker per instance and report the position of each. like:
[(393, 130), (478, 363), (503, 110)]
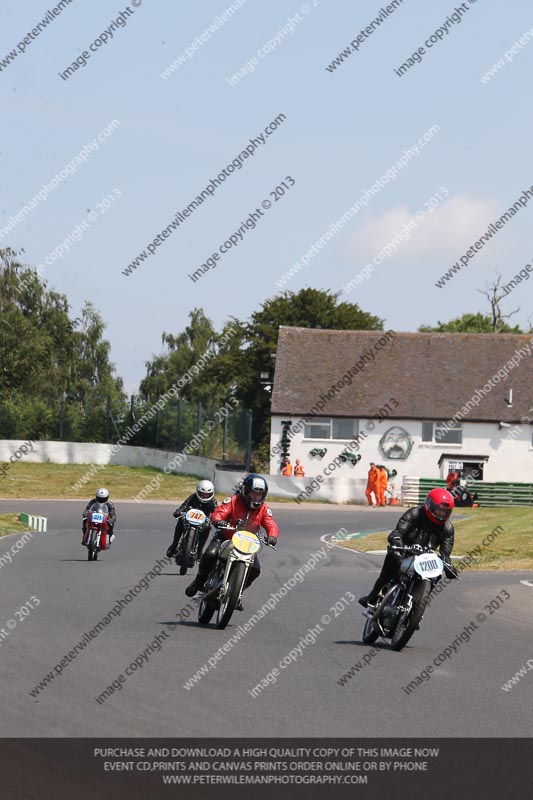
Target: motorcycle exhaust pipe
[(211, 594)]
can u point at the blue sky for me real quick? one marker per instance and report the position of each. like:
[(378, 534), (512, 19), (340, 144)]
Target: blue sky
[(343, 130)]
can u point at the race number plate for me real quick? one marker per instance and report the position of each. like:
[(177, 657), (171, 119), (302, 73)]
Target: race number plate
[(428, 565), (246, 542), (195, 517)]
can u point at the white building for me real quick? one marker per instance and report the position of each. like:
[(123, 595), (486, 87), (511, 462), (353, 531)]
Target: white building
[(419, 403)]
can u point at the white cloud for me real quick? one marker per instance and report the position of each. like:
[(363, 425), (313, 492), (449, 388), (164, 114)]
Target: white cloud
[(448, 229)]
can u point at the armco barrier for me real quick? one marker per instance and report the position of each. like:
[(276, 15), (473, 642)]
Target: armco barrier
[(37, 523), (490, 495)]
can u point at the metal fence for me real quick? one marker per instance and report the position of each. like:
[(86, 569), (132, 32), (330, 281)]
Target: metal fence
[(222, 430), (490, 495), (217, 431)]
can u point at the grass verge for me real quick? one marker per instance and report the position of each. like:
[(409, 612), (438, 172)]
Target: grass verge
[(10, 523), (59, 480), (508, 548)]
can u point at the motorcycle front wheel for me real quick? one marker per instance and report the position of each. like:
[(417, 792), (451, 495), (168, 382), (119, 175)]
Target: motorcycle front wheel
[(227, 606), (408, 624), (370, 632), (186, 555), (89, 546), (205, 613)]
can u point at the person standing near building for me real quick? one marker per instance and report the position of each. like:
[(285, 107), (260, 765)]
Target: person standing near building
[(371, 485), (287, 467), (383, 482), (298, 469)]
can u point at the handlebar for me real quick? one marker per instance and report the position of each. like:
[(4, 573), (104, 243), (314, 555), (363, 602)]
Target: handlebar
[(411, 548), (223, 525), (416, 549)]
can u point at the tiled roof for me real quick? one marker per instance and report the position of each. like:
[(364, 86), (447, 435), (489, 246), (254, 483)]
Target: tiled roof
[(430, 375)]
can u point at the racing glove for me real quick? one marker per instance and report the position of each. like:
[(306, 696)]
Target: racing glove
[(272, 540), (396, 542), (449, 569), (220, 523)]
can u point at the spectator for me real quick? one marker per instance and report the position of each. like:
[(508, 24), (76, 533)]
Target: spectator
[(287, 467), (382, 483), (298, 469), (371, 485)]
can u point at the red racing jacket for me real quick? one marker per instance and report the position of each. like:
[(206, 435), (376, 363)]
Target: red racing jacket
[(234, 508)]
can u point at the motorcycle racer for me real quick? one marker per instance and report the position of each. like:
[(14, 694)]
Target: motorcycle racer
[(102, 496), (203, 498), (427, 525), (246, 508)]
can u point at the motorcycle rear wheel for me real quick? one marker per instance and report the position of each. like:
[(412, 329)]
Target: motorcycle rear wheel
[(406, 626), (227, 606)]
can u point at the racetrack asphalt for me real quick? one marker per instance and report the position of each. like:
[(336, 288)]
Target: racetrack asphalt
[(462, 697)]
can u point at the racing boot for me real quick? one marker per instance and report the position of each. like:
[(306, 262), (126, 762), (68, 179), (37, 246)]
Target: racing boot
[(196, 586), (368, 600)]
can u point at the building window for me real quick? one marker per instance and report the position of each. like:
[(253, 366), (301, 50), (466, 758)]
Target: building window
[(469, 470), (332, 429), (442, 432)]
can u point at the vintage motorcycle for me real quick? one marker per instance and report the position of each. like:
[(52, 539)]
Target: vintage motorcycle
[(98, 533), (225, 583), (194, 524), (402, 601), (463, 497)]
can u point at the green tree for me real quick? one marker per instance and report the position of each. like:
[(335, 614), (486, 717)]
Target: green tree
[(196, 362), (494, 322), (184, 350), (242, 352), (47, 366), (35, 337), (308, 308), (469, 323), (92, 388)]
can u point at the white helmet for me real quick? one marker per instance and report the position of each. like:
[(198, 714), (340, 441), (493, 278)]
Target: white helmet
[(102, 495), (205, 491)]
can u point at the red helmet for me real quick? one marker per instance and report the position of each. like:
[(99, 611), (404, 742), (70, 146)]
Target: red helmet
[(438, 506)]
